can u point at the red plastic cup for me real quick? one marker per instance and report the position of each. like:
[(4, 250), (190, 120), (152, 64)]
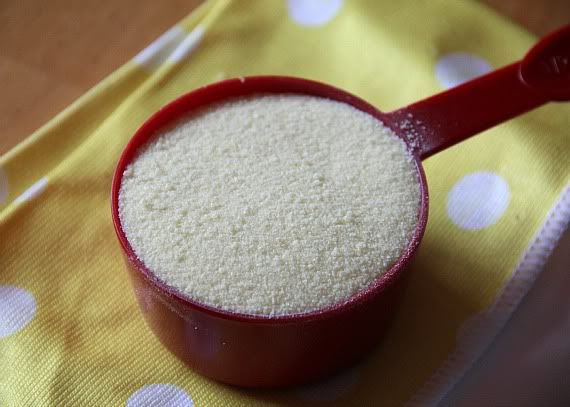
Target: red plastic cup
[(276, 351)]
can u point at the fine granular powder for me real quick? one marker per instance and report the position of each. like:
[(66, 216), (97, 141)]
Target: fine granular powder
[(271, 204)]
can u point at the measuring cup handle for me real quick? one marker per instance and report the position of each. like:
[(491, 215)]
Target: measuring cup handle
[(445, 119)]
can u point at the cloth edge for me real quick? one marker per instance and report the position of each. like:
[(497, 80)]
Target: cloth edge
[(485, 326)]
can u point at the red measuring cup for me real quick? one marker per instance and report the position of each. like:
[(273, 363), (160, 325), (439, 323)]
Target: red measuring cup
[(260, 351)]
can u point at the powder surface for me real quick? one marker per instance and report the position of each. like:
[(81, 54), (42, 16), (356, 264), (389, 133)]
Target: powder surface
[(272, 204)]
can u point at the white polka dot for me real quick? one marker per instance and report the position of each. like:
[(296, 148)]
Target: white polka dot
[(160, 395), (17, 309), (158, 51), (455, 68), (330, 389), (313, 13), (478, 200), (187, 45), (32, 192), (3, 186)]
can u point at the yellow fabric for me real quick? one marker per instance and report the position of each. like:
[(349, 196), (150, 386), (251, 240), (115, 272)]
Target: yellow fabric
[(87, 343)]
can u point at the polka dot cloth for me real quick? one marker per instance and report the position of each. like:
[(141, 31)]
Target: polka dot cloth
[(313, 13), (163, 395), (173, 46), (459, 67), (17, 309), (32, 192), (478, 200), (66, 302)]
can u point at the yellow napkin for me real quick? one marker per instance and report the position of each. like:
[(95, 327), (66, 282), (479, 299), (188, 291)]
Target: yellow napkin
[(70, 331)]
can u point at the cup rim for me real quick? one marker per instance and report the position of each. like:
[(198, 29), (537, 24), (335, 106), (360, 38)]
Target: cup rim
[(243, 86)]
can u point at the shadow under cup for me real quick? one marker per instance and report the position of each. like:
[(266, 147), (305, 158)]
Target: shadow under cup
[(254, 350)]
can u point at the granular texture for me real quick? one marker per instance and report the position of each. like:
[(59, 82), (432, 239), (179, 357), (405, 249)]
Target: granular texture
[(272, 204)]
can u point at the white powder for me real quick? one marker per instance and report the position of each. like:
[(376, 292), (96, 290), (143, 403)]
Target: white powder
[(273, 204)]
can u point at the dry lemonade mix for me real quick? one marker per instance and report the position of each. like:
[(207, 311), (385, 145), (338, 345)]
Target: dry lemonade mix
[(271, 204)]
